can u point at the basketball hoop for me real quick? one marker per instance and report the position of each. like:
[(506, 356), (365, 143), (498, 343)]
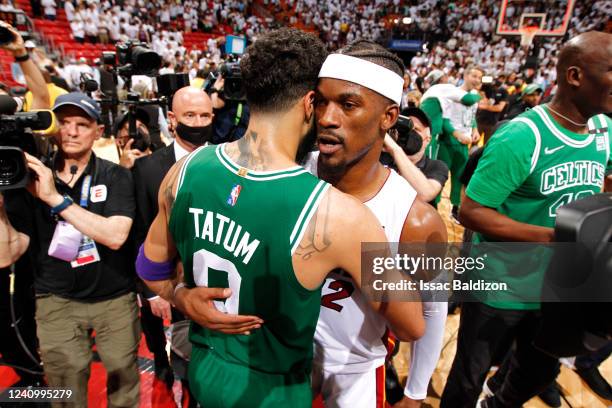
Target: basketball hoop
[(528, 33)]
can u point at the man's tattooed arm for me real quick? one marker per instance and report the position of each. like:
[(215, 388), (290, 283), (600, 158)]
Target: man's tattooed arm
[(317, 237), (170, 185)]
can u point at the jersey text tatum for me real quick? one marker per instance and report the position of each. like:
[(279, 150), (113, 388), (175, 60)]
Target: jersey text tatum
[(233, 238)]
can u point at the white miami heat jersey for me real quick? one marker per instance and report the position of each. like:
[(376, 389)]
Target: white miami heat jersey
[(350, 336)]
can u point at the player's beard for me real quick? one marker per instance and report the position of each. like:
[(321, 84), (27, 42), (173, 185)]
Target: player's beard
[(307, 144)]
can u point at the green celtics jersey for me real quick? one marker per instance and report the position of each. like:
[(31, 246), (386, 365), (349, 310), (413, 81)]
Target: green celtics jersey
[(530, 168), (238, 228)]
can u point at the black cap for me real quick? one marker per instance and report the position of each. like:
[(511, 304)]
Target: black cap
[(419, 114)]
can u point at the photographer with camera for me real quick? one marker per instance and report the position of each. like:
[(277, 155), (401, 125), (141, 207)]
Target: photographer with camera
[(131, 149), (426, 175), (231, 110), (78, 218), (13, 42)]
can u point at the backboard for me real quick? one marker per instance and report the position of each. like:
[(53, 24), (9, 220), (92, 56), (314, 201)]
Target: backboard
[(552, 17)]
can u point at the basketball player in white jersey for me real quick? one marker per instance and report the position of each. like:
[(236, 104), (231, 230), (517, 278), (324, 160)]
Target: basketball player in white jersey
[(356, 104)]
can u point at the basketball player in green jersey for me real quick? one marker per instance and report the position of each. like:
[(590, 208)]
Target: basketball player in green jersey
[(246, 217), (545, 158)]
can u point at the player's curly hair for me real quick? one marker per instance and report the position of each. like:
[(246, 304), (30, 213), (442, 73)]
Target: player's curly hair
[(370, 51), (281, 67)]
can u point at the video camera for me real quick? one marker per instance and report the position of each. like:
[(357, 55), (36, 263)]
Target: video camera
[(15, 137), (19, 21), (134, 58), (407, 138), (142, 140), (233, 89)]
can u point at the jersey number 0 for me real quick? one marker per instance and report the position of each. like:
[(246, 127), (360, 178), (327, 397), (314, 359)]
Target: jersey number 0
[(203, 261)]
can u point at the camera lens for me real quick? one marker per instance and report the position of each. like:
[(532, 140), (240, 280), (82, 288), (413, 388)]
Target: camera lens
[(145, 61), (8, 167), (6, 36), (12, 167)]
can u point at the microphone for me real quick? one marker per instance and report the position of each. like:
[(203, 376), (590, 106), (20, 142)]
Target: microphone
[(73, 172)]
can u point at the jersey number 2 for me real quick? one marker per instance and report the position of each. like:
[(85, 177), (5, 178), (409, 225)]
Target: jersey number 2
[(343, 290), (204, 260)]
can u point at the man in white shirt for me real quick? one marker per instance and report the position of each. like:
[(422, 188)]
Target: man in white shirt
[(78, 29), (91, 30), (69, 10), (49, 9)]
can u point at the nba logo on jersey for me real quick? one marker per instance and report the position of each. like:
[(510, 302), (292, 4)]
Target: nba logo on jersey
[(233, 197)]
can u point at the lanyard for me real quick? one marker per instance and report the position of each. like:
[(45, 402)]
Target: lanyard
[(85, 191)]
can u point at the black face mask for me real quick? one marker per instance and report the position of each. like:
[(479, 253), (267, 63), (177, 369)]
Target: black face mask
[(197, 135)]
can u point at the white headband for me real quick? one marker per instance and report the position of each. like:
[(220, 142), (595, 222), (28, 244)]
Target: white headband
[(364, 73)]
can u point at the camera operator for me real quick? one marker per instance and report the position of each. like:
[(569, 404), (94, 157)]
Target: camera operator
[(156, 122), (231, 116), (80, 213), (426, 175), (131, 149), (191, 118), (33, 77), (491, 107)]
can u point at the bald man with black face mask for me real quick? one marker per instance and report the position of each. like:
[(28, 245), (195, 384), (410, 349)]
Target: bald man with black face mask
[(191, 121)]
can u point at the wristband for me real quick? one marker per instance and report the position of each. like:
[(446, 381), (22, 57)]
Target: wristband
[(150, 270), (23, 58), (68, 201)]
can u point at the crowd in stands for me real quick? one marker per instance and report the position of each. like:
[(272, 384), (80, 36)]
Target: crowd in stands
[(455, 34), (143, 21)]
